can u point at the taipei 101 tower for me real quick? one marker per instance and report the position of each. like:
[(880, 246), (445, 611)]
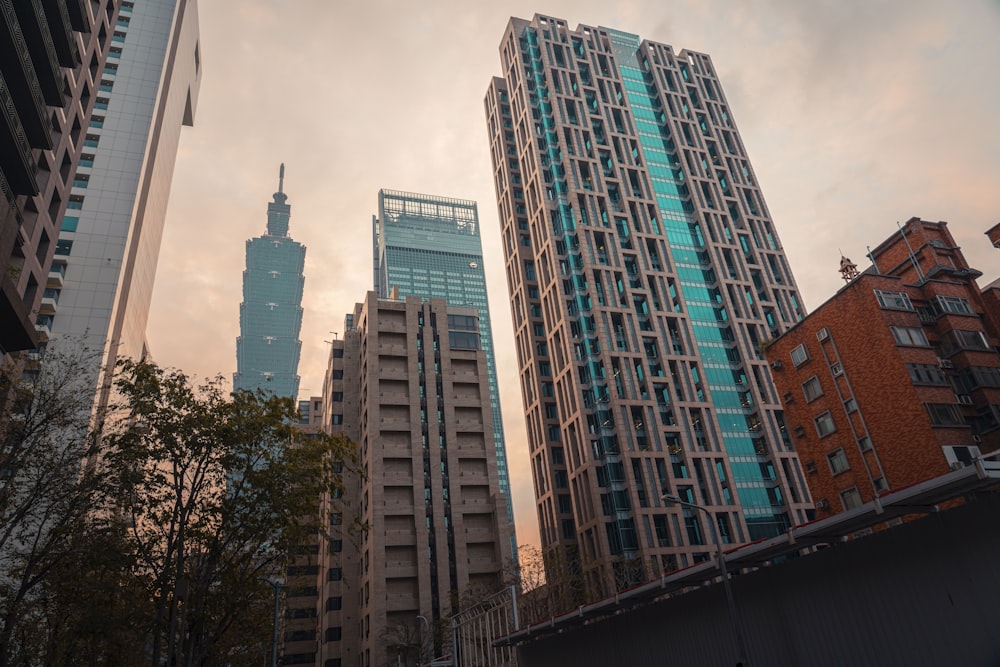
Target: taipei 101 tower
[(267, 350)]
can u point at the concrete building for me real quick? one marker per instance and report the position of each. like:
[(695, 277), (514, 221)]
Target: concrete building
[(896, 378), (409, 383), (431, 247), (52, 59), (268, 348), (644, 273), (109, 241)]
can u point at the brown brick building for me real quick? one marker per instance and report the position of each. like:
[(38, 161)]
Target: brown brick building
[(896, 378)]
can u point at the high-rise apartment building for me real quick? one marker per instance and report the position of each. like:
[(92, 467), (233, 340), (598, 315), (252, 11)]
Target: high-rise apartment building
[(409, 384), (52, 56), (431, 247), (896, 378), (644, 274), (267, 351), (109, 241)]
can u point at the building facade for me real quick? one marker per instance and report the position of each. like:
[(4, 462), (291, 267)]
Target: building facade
[(52, 56), (644, 274), (267, 351), (109, 240), (431, 247), (896, 378), (410, 383)]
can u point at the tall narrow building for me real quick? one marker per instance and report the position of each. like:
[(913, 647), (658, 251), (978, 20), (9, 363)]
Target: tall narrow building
[(52, 56), (101, 283), (431, 247), (409, 384), (267, 351), (644, 274)]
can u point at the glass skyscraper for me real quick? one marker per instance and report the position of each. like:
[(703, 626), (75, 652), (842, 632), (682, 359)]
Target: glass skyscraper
[(645, 274), (267, 351), (430, 247)]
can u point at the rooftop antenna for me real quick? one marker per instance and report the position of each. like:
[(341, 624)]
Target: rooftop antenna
[(281, 178), (913, 257), (872, 258)]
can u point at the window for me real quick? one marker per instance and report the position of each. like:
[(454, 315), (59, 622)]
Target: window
[(337, 396), (825, 425), (954, 340), (836, 369), (944, 414), (812, 389), (850, 498), (338, 375), (800, 355), (864, 443), (850, 405), (880, 484), (926, 374), (334, 603), (951, 304), (335, 574), (333, 634), (910, 336), (336, 419), (838, 461), (893, 300)]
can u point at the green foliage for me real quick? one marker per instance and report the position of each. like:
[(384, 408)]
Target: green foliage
[(218, 491), (146, 540)]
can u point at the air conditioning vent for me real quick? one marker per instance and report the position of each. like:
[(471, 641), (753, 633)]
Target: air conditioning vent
[(822, 504), (777, 365), (822, 334)]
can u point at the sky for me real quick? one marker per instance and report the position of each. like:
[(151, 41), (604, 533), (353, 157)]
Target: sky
[(856, 114)]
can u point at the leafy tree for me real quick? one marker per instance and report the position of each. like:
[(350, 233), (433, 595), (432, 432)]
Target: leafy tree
[(46, 491), (217, 491)]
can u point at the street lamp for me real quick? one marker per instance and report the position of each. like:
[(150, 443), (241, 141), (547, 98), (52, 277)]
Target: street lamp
[(276, 586), (423, 640), (741, 651)]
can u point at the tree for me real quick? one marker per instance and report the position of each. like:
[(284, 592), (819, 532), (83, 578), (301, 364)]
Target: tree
[(548, 582), (46, 491), (216, 491)]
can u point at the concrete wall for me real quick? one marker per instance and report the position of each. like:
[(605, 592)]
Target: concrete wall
[(923, 593)]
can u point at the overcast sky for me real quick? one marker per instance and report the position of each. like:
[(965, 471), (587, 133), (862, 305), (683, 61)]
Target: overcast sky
[(855, 114)]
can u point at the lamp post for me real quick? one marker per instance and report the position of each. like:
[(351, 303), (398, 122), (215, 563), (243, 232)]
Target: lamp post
[(276, 586), (741, 650), (423, 640)]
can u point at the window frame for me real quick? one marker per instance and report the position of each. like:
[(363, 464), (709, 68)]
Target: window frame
[(813, 381), (840, 457), (891, 300), (800, 348), (820, 419), (910, 339)]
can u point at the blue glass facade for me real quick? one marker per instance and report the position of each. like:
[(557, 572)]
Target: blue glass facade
[(267, 351), (430, 247)]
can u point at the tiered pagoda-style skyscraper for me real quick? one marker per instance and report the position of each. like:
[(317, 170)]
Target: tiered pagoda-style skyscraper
[(644, 275), (267, 351)]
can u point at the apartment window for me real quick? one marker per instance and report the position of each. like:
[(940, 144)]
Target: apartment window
[(926, 374), (910, 336), (956, 339), (864, 443), (893, 300), (812, 389), (838, 461), (336, 419), (951, 304), (333, 634), (880, 484), (800, 355), (850, 498), (337, 396), (944, 414), (338, 375), (850, 405), (334, 603), (824, 424), (335, 574)]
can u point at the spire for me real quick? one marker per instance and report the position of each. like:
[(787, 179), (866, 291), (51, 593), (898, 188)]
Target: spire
[(278, 211)]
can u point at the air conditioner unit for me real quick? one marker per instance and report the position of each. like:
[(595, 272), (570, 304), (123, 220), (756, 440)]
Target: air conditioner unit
[(822, 504), (822, 334), (777, 365), (837, 370), (945, 363), (964, 399)]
